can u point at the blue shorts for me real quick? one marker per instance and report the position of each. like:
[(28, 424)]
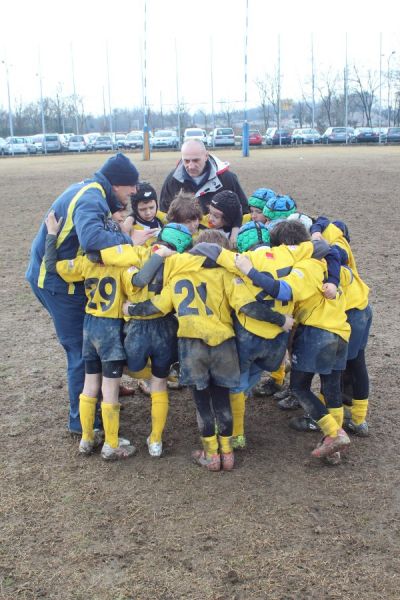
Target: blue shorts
[(102, 339), (316, 350), (154, 339), (360, 323), (201, 364), (267, 354)]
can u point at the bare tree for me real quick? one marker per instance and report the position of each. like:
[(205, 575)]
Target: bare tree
[(365, 89), (328, 92)]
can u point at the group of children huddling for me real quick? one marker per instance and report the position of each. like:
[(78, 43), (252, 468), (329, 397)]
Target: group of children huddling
[(226, 296)]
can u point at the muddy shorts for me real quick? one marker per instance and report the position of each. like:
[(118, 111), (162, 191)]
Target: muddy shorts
[(102, 339), (316, 350), (201, 364), (253, 349), (154, 339), (360, 323)]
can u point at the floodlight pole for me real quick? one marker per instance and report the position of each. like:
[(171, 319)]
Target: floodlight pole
[(146, 133), (73, 84), (388, 78), (346, 94), (380, 88), (177, 94), (109, 94), (212, 90), (10, 119), (279, 89), (245, 136), (41, 105), (312, 82)]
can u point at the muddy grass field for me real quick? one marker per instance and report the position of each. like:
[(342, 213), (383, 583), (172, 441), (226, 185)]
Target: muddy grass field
[(281, 526)]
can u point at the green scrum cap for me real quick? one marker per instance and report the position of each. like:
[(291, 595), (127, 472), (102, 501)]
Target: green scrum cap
[(252, 234), (279, 207), (176, 236), (260, 197)]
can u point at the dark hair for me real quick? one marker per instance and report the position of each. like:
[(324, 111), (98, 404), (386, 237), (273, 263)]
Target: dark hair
[(184, 207), (213, 236), (289, 232)]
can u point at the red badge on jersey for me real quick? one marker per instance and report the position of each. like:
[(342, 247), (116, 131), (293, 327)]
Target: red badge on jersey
[(269, 255)]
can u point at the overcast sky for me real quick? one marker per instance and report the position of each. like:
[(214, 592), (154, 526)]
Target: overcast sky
[(190, 35)]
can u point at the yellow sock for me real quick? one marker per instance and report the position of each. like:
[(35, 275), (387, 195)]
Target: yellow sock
[(279, 375), (321, 398), (87, 411), (359, 411), (110, 415), (159, 413), (210, 445), (225, 443), (238, 407), (337, 414), (328, 425)]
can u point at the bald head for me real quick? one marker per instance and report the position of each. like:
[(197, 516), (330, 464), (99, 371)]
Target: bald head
[(194, 157)]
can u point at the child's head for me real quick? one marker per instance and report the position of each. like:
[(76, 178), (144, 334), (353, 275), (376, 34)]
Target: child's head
[(144, 202), (257, 203), (225, 210), (279, 207), (290, 233), (175, 236), (251, 235), (213, 236), (185, 209), (305, 219)]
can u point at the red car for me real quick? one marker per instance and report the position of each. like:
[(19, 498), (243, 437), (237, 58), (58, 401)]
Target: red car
[(255, 138)]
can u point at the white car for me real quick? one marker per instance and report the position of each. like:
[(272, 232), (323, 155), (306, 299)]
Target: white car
[(194, 133), (306, 135), (222, 136), (79, 143)]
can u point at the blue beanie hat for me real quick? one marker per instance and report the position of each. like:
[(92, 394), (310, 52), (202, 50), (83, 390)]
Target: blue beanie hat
[(119, 170)]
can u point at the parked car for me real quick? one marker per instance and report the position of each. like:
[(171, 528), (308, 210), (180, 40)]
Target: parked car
[(2, 145), (52, 142), (278, 137), (102, 142), (306, 135), (119, 140), (222, 136), (165, 138), (255, 138), (134, 139), (194, 133), (365, 134), (79, 143), (337, 135), (18, 145), (393, 134)]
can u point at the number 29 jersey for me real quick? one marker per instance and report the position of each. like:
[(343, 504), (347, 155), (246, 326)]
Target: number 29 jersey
[(102, 283)]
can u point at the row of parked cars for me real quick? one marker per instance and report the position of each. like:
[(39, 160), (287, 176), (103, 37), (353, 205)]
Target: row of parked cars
[(220, 136)]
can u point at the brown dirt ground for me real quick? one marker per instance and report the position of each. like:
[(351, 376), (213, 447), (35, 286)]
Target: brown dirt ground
[(280, 526)]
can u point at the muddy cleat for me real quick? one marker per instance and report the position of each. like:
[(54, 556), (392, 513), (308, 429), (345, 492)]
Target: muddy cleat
[(122, 451), (173, 378), (333, 459), (125, 391), (155, 448), (227, 461), (87, 447), (283, 393), (211, 463), (267, 388), (361, 430), (303, 423), (290, 402), (330, 445), (239, 442)]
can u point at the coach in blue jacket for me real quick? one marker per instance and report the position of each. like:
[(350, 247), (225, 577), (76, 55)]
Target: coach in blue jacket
[(84, 208)]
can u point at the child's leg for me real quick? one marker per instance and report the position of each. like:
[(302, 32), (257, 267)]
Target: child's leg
[(112, 373), (159, 408), (88, 400), (206, 420), (222, 410), (357, 369), (332, 395)]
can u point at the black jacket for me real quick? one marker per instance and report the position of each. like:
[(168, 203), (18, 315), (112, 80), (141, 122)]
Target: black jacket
[(219, 178)]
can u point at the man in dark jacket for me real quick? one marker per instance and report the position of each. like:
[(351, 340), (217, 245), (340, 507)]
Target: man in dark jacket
[(84, 208), (203, 174)]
